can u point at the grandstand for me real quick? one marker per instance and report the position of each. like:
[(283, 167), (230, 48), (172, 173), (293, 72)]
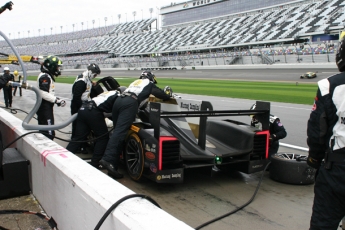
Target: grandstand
[(204, 32)]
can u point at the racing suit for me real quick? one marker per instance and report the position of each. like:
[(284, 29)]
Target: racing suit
[(277, 132), (45, 114), (91, 118), (17, 79), (81, 90), (326, 140), (8, 91), (4, 79), (124, 112)]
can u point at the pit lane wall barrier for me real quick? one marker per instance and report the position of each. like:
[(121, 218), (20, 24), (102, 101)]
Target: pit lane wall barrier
[(74, 193)]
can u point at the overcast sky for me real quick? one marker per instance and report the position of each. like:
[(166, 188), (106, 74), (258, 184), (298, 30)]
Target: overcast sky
[(31, 15)]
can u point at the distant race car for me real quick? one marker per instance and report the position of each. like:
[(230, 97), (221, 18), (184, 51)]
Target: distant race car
[(308, 75)]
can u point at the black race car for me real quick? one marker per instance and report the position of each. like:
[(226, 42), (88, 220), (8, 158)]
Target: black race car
[(308, 75), (168, 137)]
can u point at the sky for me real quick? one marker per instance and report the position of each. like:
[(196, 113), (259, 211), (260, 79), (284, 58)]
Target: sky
[(34, 15)]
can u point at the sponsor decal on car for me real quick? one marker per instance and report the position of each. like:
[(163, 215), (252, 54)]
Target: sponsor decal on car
[(153, 168), (169, 176), (190, 106), (150, 156)]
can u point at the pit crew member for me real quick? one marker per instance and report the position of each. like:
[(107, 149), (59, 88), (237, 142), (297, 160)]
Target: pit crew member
[(277, 131), (123, 114), (50, 69), (326, 141)]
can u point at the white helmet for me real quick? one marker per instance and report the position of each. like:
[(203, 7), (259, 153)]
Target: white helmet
[(6, 69)]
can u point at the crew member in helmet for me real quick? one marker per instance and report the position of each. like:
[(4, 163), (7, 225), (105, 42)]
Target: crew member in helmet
[(91, 118), (7, 88), (326, 141), (50, 69), (277, 131), (81, 90), (123, 114), (7, 6), (17, 78)]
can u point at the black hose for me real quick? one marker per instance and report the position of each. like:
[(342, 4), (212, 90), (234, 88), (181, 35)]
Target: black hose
[(119, 202), (239, 208)]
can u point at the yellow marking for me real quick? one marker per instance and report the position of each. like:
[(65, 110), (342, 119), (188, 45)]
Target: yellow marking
[(135, 128)]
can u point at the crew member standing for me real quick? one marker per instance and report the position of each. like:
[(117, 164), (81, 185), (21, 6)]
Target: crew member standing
[(277, 131), (17, 78), (81, 90), (326, 141), (8, 88), (45, 114), (123, 114)]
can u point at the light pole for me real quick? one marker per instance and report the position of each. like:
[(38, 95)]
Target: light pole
[(112, 21), (18, 34), (134, 13), (151, 10), (126, 17), (82, 25), (73, 27), (39, 32), (105, 21), (51, 30), (99, 23), (119, 16), (93, 23), (142, 15), (157, 17), (61, 29), (9, 35), (28, 33)]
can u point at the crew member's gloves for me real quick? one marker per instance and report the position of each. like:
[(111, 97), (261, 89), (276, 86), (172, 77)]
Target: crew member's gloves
[(167, 90), (273, 138), (60, 102), (314, 163), (8, 5)]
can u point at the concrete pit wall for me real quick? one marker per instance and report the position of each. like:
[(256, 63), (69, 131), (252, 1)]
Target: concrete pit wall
[(74, 193)]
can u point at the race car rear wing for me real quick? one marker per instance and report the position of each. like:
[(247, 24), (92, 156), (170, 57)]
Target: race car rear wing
[(262, 112)]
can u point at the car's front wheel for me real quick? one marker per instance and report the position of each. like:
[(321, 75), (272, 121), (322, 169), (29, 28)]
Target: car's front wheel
[(291, 168), (134, 157)]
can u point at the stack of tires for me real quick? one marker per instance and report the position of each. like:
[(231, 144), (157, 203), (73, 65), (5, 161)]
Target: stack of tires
[(291, 168)]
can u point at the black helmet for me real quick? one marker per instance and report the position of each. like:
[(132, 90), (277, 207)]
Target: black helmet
[(340, 55), (148, 75), (52, 64), (94, 68)]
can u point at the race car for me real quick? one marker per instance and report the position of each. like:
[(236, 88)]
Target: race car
[(170, 136), (308, 75)]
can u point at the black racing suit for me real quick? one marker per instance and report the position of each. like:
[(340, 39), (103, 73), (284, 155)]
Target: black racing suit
[(80, 93), (124, 112), (45, 113), (91, 118), (326, 132), (8, 92), (4, 79), (277, 132)]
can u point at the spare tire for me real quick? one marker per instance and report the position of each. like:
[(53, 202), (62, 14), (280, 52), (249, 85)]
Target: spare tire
[(291, 168)]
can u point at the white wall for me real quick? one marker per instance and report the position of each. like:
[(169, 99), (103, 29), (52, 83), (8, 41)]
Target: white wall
[(75, 194)]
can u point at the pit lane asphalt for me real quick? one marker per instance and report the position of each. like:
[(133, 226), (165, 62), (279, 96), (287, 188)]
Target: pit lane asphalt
[(206, 195)]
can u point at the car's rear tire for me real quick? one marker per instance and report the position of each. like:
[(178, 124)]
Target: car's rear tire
[(134, 157), (291, 168)]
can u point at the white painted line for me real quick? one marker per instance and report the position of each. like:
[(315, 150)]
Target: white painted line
[(294, 147)]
